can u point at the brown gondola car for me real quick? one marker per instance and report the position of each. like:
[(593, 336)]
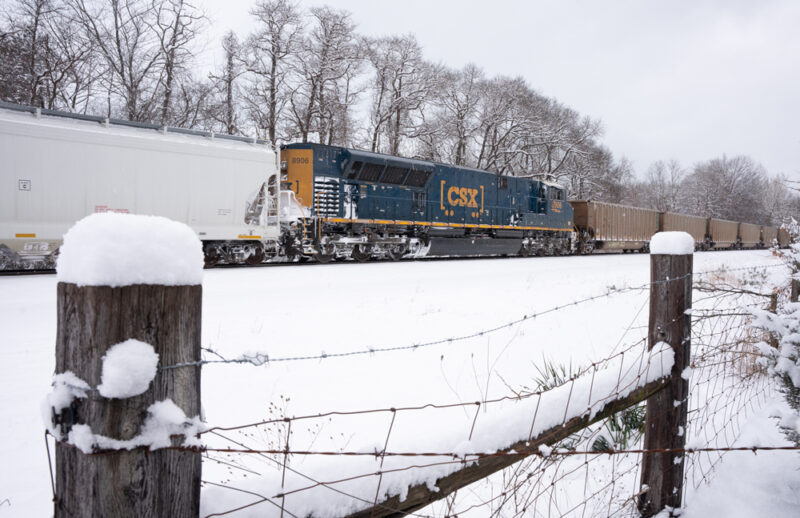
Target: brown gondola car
[(769, 236), (784, 238), (608, 226), (723, 233), (696, 226), (749, 235)]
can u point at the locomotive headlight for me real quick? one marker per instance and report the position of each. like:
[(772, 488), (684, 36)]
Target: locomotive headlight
[(284, 165)]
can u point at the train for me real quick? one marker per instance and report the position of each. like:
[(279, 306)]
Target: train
[(371, 206), (250, 204), (364, 205), (58, 168), (604, 227)]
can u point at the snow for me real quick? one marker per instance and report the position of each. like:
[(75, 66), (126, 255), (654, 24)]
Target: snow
[(112, 249), (164, 420), (749, 484), (298, 310), (128, 369), (66, 388), (672, 243), (785, 326)]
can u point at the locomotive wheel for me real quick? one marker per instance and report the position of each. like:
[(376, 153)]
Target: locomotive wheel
[(396, 253), (524, 252), (325, 254), (360, 254)]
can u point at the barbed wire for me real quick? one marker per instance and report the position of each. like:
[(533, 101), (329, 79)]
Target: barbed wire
[(262, 358), (259, 359), (592, 367), (470, 457)]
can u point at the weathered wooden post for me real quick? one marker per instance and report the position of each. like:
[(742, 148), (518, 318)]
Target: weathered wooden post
[(795, 289), (670, 322), (127, 277)]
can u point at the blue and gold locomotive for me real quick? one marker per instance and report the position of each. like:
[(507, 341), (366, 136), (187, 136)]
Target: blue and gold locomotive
[(368, 205)]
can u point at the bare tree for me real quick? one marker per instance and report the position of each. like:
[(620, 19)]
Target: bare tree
[(14, 81), (730, 188), (501, 119), (328, 55), (176, 24), (265, 58), (402, 82), (458, 118), (190, 105), (55, 62), (121, 31), (662, 188), (224, 108), (779, 201)]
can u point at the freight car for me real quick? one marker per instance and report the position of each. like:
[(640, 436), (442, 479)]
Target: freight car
[(368, 205), (696, 226), (749, 236), (58, 168), (606, 226), (769, 236), (723, 233), (784, 238), (609, 226)]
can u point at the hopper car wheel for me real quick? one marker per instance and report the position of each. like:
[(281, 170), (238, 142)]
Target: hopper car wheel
[(211, 256), (360, 254), (257, 255)]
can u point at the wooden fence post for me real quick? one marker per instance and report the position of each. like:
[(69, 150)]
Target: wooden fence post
[(138, 482), (92, 318), (665, 426), (795, 289)]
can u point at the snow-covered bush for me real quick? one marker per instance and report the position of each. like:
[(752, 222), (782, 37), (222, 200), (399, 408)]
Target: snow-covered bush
[(784, 361)]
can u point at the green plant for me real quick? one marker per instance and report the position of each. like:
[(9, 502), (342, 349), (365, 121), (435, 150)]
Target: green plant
[(621, 430)]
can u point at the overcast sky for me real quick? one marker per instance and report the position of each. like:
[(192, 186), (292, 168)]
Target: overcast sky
[(690, 80)]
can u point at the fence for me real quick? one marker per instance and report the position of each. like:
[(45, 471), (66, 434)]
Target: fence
[(574, 429)]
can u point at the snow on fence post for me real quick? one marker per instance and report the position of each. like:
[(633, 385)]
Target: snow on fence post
[(129, 302), (670, 322)]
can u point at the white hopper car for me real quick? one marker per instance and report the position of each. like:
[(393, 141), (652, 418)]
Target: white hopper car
[(56, 168)]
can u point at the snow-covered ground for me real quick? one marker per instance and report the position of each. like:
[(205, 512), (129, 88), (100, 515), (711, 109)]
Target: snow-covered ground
[(293, 311)]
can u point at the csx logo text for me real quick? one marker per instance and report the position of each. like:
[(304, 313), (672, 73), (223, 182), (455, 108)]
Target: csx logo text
[(462, 197)]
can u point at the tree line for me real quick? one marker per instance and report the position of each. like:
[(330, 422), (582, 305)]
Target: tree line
[(308, 75)]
